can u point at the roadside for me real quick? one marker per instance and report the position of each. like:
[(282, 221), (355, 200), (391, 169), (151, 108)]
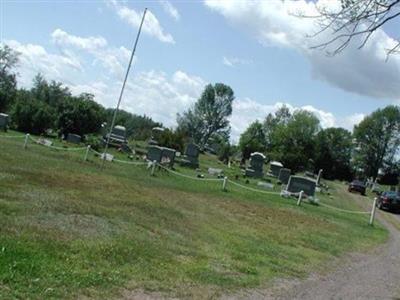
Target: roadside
[(373, 275)]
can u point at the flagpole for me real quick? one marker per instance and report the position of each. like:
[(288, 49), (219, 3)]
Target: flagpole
[(123, 88)]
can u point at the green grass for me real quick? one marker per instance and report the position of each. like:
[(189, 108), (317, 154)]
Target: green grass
[(68, 229)]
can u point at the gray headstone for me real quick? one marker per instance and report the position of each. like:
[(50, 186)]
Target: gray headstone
[(3, 121), (297, 184), (275, 168), (284, 175), (154, 153), (192, 150), (168, 156), (214, 171), (74, 138), (265, 185), (256, 167)]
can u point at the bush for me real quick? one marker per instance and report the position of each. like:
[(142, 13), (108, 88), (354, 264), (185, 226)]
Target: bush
[(94, 141), (30, 115)]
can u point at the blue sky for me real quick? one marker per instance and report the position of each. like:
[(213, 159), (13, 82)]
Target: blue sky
[(258, 48)]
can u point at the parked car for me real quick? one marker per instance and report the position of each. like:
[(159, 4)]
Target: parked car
[(357, 186), (389, 200)]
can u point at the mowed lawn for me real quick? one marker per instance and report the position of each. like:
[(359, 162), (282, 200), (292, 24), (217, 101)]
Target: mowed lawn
[(69, 230)]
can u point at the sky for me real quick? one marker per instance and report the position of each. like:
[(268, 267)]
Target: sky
[(262, 49)]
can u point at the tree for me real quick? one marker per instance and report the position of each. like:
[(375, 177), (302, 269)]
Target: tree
[(333, 153), (291, 137), (209, 115), (80, 115), (356, 19), (8, 82), (252, 140), (378, 140), (30, 115)]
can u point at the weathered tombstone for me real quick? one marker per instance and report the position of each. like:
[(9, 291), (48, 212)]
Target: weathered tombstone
[(3, 121), (168, 156), (156, 133), (44, 142), (319, 177), (284, 175), (214, 171), (107, 156), (118, 136), (256, 165), (297, 184), (74, 138), (265, 185), (191, 156), (154, 153), (275, 167)]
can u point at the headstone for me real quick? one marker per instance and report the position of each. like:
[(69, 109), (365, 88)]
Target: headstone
[(191, 156), (275, 167), (3, 121), (168, 156), (118, 136), (214, 171), (74, 138), (256, 165), (154, 153), (284, 175), (156, 133), (44, 142), (297, 184), (107, 156), (319, 177), (265, 185)]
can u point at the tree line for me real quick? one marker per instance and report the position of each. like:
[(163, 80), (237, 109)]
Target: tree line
[(294, 138)]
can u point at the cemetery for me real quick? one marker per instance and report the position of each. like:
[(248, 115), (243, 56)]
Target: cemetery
[(159, 202)]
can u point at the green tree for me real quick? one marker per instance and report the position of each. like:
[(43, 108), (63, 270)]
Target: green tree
[(8, 82), (209, 115), (80, 115), (291, 137), (333, 153), (378, 140), (252, 139), (30, 115)]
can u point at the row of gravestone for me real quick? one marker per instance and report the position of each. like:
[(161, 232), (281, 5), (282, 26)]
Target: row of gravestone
[(166, 156), (294, 184)]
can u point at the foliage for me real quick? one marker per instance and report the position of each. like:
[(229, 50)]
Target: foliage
[(174, 139), (291, 137), (30, 115), (252, 140), (80, 115), (333, 153), (8, 82), (209, 115), (94, 140), (378, 140)]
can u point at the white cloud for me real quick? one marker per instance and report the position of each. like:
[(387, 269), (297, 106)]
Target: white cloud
[(111, 58), (349, 122), (235, 61), (275, 23), (151, 25), (170, 9)]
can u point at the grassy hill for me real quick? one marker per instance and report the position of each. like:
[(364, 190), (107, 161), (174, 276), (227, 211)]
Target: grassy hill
[(68, 229)]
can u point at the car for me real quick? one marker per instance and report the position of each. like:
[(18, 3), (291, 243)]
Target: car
[(357, 186), (389, 200)]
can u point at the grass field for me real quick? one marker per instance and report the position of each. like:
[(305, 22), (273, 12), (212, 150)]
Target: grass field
[(69, 230)]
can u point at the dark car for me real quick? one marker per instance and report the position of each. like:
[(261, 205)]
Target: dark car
[(357, 186), (389, 200)]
